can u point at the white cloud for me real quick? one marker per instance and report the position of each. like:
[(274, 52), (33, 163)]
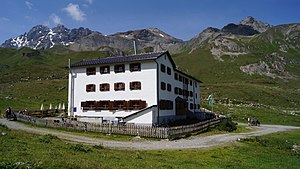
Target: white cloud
[(55, 19), (75, 12), (89, 1), (28, 4)]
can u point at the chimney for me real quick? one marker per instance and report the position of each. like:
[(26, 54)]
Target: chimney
[(134, 47)]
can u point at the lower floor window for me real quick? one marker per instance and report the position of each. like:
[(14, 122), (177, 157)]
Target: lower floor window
[(114, 105), (166, 105)]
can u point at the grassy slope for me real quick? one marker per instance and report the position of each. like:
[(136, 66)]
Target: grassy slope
[(271, 151), (38, 79), (234, 91)]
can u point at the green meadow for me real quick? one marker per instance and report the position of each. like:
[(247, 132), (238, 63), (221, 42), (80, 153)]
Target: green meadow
[(23, 150)]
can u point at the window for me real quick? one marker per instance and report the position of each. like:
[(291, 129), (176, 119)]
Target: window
[(195, 84), (196, 95), (105, 104), (191, 93), (162, 68), (185, 93), (179, 91), (163, 86), (191, 83), (136, 104), (90, 88), (135, 67), (176, 90), (119, 68), (104, 69), (191, 106), (169, 87), (166, 105), (90, 71), (120, 104), (186, 81), (104, 87), (89, 105), (176, 76), (119, 86), (135, 85), (169, 72), (180, 78), (198, 106)]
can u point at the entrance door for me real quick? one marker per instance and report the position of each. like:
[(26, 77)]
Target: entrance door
[(180, 107)]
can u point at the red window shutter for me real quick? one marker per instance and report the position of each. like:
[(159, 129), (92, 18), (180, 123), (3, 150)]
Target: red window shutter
[(131, 85), (123, 86), (138, 85), (116, 86)]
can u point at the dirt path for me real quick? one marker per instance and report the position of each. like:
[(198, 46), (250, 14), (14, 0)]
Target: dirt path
[(188, 143)]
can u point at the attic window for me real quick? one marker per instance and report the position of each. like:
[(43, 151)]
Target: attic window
[(90, 71), (90, 88), (119, 68), (135, 67), (104, 69)]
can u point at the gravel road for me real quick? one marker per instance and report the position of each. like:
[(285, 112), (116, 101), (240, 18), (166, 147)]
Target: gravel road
[(186, 143)]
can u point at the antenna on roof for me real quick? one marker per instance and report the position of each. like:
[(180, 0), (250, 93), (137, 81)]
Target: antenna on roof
[(134, 47)]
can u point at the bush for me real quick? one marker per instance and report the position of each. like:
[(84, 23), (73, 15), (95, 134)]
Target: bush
[(80, 147), (226, 125), (48, 138)]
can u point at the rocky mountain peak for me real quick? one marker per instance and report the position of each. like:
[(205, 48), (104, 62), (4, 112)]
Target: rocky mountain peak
[(255, 24), (240, 29)]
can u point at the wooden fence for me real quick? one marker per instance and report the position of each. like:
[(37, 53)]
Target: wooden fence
[(129, 129)]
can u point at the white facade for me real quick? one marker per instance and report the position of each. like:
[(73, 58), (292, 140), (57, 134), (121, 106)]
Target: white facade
[(149, 76)]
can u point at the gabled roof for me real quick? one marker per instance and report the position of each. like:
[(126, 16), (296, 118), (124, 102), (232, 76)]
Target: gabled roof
[(120, 59)]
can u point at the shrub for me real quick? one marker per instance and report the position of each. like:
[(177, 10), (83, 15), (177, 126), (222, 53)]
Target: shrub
[(226, 125), (80, 147), (48, 138), (99, 146)]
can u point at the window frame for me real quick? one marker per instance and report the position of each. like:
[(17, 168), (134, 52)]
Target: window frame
[(120, 68), (169, 87), (176, 76), (162, 85), (163, 68), (104, 87), (102, 69), (169, 71), (135, 85), (89, 72), (90, 88), (135, 67), (117, 86), (166, 104)]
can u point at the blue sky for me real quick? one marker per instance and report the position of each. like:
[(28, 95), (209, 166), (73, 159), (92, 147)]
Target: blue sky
[(182, 19)]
